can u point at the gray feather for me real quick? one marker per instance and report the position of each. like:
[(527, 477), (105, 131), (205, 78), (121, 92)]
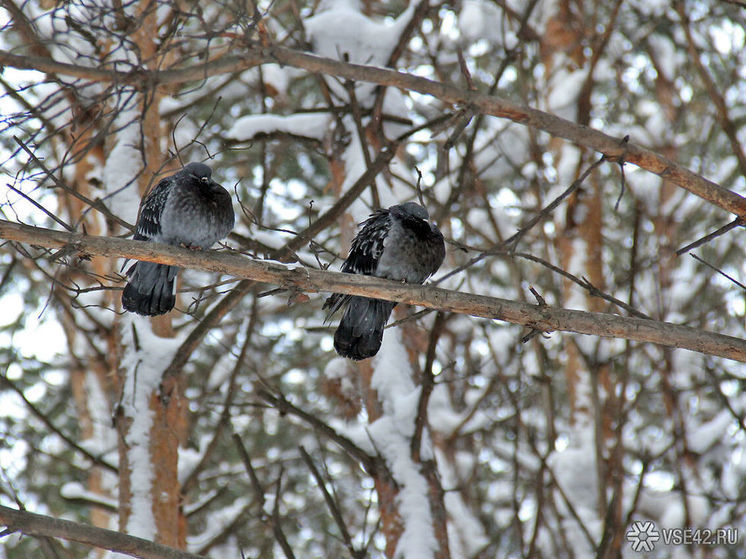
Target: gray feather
[(399, 244), (187, 208)]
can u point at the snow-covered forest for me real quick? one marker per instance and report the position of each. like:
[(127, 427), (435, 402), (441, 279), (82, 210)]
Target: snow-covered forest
[(575, 366)]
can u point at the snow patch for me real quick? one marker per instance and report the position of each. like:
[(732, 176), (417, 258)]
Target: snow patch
[(143, 369), (124, 164), (311, 125), (708, 434), (391, 436), (481, 20), (342, 30)]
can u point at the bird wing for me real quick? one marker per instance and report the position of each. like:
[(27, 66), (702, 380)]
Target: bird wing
[(366, 250), (367, 246), (149, 224)]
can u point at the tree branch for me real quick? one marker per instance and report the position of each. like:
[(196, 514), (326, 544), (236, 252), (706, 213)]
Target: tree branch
[(544, 318), (255, 55), (46, 526)]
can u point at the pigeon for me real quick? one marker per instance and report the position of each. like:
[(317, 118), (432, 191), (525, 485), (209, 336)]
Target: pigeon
[(186, 209), (398, 244)]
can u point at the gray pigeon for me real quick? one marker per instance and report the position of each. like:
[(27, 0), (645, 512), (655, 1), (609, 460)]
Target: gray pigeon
[(188, 209), (399, 244)]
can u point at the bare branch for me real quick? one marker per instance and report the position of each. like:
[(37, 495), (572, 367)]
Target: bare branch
[(707, 238), (230, 393), (546, 319), (46, 526), (370, 463), (52, 427), (428, 383), (331, 503)]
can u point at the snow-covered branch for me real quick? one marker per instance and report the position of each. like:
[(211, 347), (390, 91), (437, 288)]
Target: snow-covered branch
[(543, 318), (254, 55)]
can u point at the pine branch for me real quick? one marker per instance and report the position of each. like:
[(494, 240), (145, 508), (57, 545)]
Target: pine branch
[(543, 318)]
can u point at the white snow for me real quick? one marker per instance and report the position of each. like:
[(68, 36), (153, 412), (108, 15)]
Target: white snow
[(465, 532), (391, 435), (275, 77), (650, 7), (482, 20), (271, 239), (310, 125), (575, 468), (75, 490), (340, 29), (143, 370), (337, 368), (444, 419), (665, 55), (577, 266), (564, 89), (704, 436), (417, 539), (219, 520), (123, 165)]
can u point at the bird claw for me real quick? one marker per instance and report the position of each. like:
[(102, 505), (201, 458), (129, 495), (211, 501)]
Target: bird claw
[(190, 246)]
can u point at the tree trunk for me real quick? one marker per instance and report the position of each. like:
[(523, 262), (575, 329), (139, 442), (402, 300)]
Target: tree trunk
[(166, 429)]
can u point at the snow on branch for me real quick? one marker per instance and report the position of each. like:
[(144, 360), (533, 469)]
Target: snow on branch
[(255, 55), (298, 278)]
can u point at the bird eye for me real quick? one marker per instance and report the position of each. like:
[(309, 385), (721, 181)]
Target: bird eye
[(205, 180)]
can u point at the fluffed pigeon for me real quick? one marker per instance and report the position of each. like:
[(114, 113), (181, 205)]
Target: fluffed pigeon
[(187, 208), (399, 244)]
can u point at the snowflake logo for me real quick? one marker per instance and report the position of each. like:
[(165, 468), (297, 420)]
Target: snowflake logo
[(642, 536)]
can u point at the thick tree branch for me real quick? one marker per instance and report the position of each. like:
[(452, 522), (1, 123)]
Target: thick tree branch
[(45, 526), (542, 318), (255, 55)]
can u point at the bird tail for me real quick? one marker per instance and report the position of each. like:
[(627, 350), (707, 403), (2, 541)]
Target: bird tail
[(360, 331), (150, 290)]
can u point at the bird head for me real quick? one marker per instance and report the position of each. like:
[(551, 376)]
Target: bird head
[(413, 209), (200, 172)]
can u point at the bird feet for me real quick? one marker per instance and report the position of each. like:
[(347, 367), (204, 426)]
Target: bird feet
[(190, 247)]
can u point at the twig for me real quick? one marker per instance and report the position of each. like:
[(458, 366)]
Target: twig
[(39, 206), (707, 238), (496, 106), (368, 462), (194, 338), (428, 383), (225, 416), (331, 503), (719, 271), (52, 427), (277, 525), (584, 283), (255, 483), (541, 303), (511, 242), (714, 91), (95, 204)]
